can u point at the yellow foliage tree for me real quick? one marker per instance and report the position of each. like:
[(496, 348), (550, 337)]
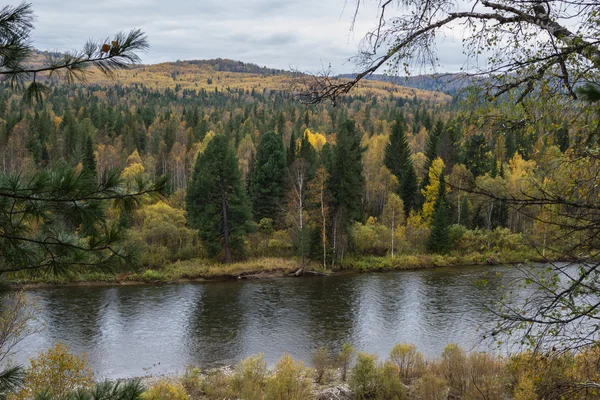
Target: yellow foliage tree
[(58, 372), (316, 139), (393, 216), (430, 192)]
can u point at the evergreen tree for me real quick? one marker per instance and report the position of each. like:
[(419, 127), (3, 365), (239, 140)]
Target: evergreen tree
[(346, 181), (291, 151), (268, 180), (89, 159), (398, 160), (69, 130), (477, 156), (431, 151), (439, 239), (217, 203)]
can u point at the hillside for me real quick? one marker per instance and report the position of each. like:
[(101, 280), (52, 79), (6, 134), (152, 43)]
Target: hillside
[(449, 83), (226, 74), (223, 74)]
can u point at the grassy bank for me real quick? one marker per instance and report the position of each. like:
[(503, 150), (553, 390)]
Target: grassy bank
[(422, 261), (270, 267)]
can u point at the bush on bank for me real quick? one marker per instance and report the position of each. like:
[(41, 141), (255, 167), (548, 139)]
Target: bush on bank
[(405, 375)]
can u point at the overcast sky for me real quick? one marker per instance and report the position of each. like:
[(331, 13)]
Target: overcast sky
[(302, 34)]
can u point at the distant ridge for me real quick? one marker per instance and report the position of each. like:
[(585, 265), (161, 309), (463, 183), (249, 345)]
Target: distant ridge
[(449, 83), (227, 65), (222, 74)]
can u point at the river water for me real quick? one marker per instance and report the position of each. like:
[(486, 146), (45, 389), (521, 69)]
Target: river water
[(137, 330)]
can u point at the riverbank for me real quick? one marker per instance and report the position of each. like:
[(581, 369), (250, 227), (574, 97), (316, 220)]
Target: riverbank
[(347, 375), (201, 270)]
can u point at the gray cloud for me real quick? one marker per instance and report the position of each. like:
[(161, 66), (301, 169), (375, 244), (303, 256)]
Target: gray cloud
[(303, 34)]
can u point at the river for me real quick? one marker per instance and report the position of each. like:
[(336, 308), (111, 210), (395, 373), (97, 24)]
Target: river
[(130, 331)]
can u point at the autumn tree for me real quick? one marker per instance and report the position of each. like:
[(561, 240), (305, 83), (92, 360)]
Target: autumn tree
[(217, 204), (268, 181), (431, 191), (398, 159), (393, 216)]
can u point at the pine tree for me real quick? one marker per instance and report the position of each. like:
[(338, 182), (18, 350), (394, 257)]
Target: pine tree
[(89, 159), (268, 180), (61, 199), (217, 203), (398, 160), (439, 239)]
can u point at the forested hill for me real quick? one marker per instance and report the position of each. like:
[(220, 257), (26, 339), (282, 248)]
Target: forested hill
[(160, 120), (449, 83), (223, 75)]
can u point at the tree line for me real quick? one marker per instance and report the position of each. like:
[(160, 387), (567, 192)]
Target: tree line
[(374, 175)]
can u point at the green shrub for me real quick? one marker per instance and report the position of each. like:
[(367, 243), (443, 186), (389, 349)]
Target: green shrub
[(389, 385), (248, 381), (290, 381), (266, 226), (151, 275), (456, 233), (363, 377)]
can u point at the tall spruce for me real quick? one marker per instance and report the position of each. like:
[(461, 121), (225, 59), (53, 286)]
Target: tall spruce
[(432, 150), (478, 155), (398, 160), (89, 159), (217, 204), (268, 180), (346, 182), (439, 239)]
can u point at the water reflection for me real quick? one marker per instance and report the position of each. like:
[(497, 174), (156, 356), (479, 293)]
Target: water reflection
[(135, 330)]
